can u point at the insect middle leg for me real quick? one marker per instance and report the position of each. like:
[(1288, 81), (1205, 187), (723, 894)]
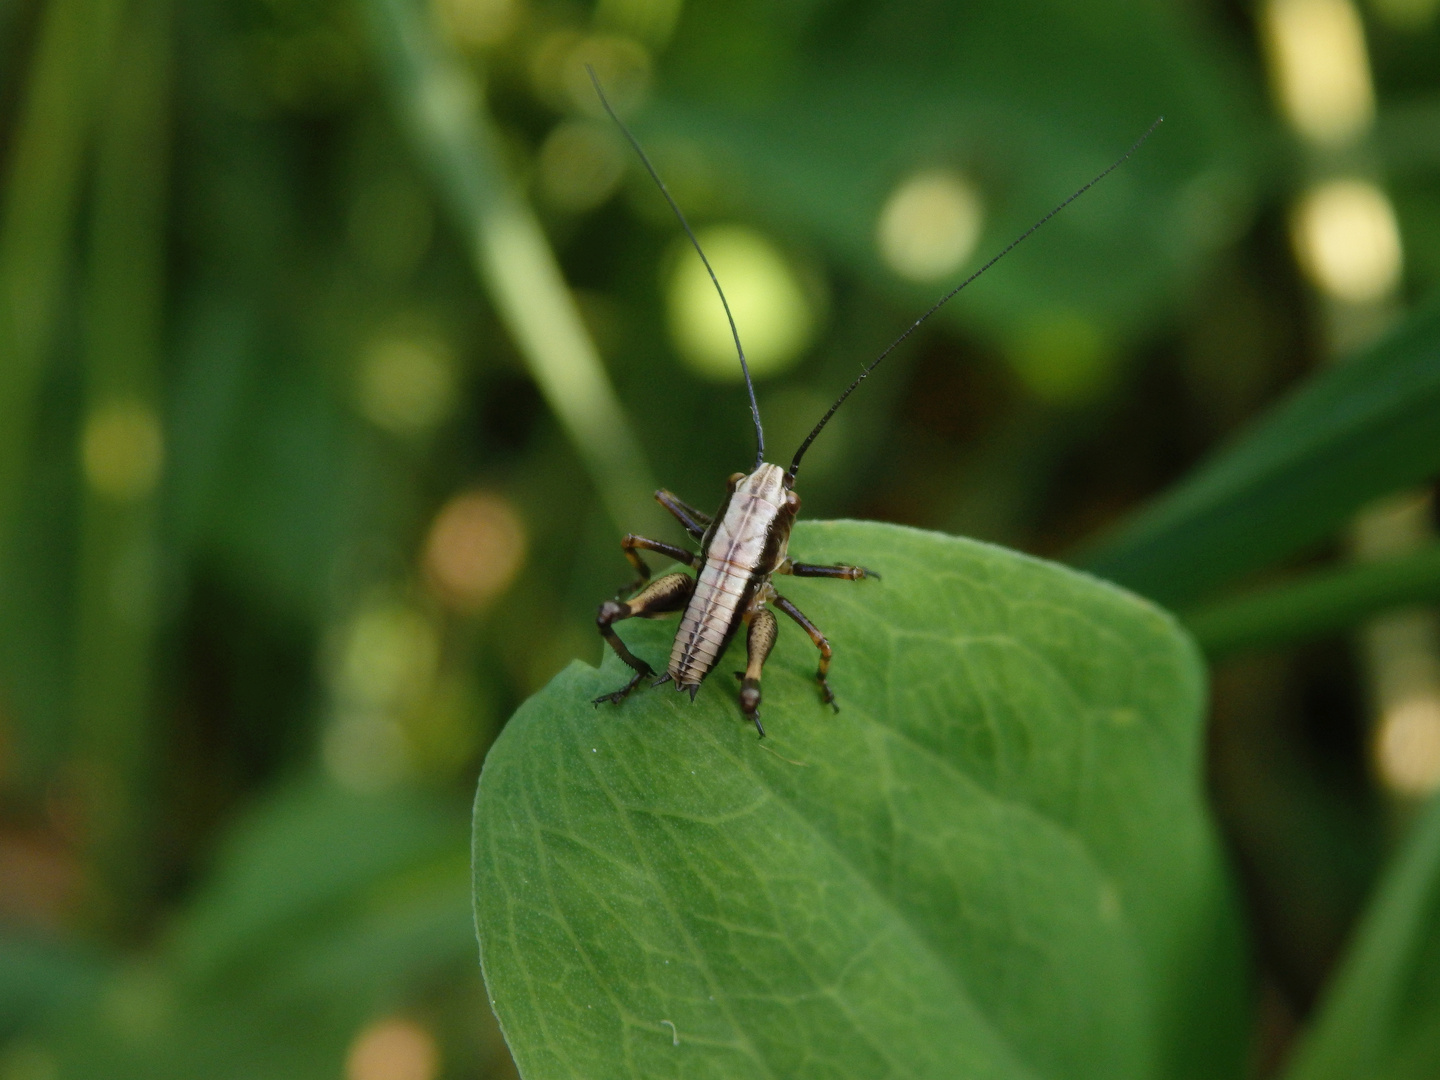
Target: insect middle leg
[(669, 593), (834, 570), (694, 521), (759, 642), (820, 643), (632, 545)]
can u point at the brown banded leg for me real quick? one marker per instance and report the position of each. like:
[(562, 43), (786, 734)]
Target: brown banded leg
[(632, 545), (759, 642), (694, 521), (669, 593), (820, 643), (834, 570)]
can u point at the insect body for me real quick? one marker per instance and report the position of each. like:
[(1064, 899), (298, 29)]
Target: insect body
[(746, 544), (741, 549)]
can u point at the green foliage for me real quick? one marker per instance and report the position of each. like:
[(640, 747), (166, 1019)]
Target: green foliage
[(1382, 1015), (815, 147), (1360, 430), (994, 861), (1316, 604), (311, 249), (326, 909)]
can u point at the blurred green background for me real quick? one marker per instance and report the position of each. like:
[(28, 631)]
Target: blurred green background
[(341, 340)]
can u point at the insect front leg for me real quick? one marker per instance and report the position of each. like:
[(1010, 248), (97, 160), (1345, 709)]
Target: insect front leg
[(632, 545), (759, 642), (820, 643), (669, 593), (694, 521), (833, 570)]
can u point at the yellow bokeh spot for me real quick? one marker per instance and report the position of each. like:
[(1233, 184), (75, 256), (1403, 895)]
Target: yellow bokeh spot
[(1407, 746), (775, 317), (393, 1049), (558, 75), (388, 657), (1348, 241), (122, 449), (385, 663), (1064, 358), (930, 225), (581, 163), (138, 1002), (407, 385), (649, 20), (1320, 67), (478, 24), (474, 549)]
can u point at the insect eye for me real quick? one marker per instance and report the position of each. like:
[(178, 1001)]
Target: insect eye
[(735, 478), (792, 501)]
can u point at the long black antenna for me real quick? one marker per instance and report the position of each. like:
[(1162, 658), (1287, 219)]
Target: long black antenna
[(795, 462), (744, 367)]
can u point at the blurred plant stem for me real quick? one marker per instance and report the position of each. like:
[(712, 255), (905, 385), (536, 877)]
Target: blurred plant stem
[(443, 109), (121, 457), (1315, 605), (38, 208)]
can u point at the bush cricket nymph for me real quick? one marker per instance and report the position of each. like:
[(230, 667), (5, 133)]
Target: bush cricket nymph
[(745, 545)]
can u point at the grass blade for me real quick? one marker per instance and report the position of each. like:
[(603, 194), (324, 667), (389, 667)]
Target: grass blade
[(1353, 433), (123, 457), (1316, 604), (437, 98), (38, 209), (1382, 1015)]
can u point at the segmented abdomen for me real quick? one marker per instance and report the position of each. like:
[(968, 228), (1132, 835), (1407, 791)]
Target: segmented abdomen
[(730, 563)]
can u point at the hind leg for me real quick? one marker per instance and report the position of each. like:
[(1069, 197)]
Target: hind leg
[(669, 593), (759, 642)]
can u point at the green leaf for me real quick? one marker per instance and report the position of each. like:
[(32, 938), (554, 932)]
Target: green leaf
[(1316, 604), (994, 861), (1354, 432), (1381, 1017)]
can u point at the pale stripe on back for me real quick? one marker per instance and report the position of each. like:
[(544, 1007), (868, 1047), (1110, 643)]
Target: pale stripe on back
[(734, 551)]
